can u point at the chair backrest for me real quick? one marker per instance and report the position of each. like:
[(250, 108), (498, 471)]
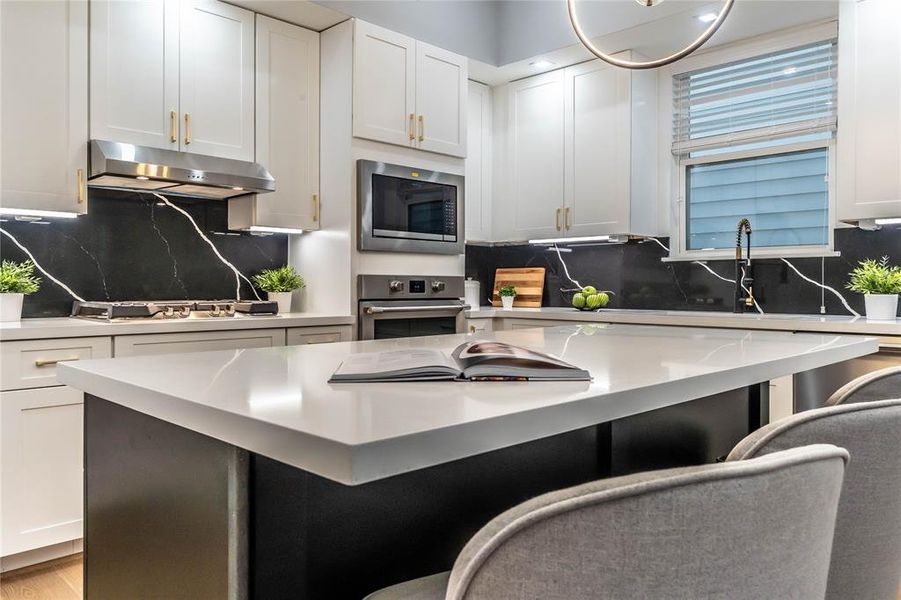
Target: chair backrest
[(742, 530), (866, 553), (883, 384)]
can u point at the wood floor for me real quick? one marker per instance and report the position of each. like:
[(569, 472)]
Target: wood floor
[(55, 580)]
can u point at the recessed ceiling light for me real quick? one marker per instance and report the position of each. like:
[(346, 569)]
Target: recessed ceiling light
[(707, 17), (142, 177), (238, 189), (541, 64), (789, 70)]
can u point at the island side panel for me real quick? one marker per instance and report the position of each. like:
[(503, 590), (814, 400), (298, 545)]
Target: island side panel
[(165, 509), (314, 538)]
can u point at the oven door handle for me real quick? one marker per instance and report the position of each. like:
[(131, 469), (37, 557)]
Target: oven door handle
[(374, 310)]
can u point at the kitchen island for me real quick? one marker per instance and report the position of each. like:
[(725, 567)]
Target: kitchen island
[(244, 474)]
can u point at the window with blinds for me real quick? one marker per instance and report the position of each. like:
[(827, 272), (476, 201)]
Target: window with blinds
[(753, 138)]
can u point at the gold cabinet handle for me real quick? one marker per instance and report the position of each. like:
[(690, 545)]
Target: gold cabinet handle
[(557, 219), (51, 362), (187, 129), (421, 128), (315, 208), (566, 220), (412, 127), (173, 126), (79, 180)]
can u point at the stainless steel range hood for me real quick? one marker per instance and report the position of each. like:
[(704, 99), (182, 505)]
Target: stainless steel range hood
[(119, 166)]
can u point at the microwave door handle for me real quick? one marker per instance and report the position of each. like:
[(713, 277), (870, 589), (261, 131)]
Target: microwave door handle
[(375, 310)]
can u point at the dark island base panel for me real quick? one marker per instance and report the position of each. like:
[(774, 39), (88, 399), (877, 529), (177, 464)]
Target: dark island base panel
[(174, 514)]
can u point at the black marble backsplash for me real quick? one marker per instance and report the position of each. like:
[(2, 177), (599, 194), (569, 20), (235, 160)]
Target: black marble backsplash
[(130, 246), (638, 279)]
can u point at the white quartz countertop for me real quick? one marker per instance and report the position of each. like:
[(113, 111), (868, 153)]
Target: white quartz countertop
[(687, 318), (277, 402), (66, 327)]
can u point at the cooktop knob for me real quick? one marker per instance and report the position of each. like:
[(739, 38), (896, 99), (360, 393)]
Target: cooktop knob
[(438, 286), (396, 286)]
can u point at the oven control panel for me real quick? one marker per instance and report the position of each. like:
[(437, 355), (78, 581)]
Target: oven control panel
[(383, 287)]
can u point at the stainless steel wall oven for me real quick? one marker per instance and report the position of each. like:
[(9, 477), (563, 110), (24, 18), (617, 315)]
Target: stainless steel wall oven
[(397, 307)]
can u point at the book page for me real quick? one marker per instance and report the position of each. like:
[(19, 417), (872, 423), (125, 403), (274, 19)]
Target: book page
[(395, 361)]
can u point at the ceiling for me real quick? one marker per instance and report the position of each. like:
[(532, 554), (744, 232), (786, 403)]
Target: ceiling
[(503, 37)]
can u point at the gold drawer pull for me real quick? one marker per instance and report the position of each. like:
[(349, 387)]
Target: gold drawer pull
[(566, 220), (51, 362), (557, 219), (421, 128), (79, 177), (173, 126), (187, 129), (315, 208), (412, 127)]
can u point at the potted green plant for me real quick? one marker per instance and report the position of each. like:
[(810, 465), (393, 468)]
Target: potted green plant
[(278, 285), (880, 283), (16, 280), (507, 294)]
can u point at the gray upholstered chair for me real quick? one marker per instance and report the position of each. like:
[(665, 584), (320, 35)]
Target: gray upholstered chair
[(750, 529), (866, 553), (883, 384)]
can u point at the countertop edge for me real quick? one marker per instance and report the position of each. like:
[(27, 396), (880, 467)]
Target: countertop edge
[(69, 327), (802, 323)]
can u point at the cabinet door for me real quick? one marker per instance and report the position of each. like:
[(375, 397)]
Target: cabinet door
[(44, 105), (287, 84), (216, 79), (384, 91), (441, 105), (134, 72), (40, 467), (597, 150), (535, 128), (869, 105), (477, 193)]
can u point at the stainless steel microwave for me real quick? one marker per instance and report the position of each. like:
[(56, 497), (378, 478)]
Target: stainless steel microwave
[(404, 209)]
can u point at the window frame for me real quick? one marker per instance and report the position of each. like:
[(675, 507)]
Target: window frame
[(749, 49), (679, 241)]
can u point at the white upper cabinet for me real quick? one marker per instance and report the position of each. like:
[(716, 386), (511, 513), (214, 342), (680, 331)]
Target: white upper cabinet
[(534, 185), (441, 104), (609, 156), (478, 164), (407, 92), (869, 110), (134, 72), (44, 105), (580, 153), (217, 79), (287, 129), (384, 85), (174, 74)]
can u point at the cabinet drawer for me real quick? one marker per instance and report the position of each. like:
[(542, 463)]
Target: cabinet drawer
[(40, 468), (318, 335), (32, 363), (170, 343)]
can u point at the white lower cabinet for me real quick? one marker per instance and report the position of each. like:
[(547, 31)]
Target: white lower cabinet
[(298, 336), (40, 467), (172, 343)]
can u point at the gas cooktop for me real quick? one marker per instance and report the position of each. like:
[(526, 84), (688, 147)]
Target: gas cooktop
[(171, 309)]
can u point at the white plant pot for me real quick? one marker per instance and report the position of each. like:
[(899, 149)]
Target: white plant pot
[(881, 307), (507, 301), (11, 307), (283, 299)]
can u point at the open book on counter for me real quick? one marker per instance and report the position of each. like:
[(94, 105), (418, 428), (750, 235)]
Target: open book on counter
[(472, 361)]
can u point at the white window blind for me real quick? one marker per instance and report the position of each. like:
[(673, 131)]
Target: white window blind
[(784, 94), (753, 109)]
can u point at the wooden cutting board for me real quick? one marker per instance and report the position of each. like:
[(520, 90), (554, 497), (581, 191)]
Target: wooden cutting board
[(529, 284)]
